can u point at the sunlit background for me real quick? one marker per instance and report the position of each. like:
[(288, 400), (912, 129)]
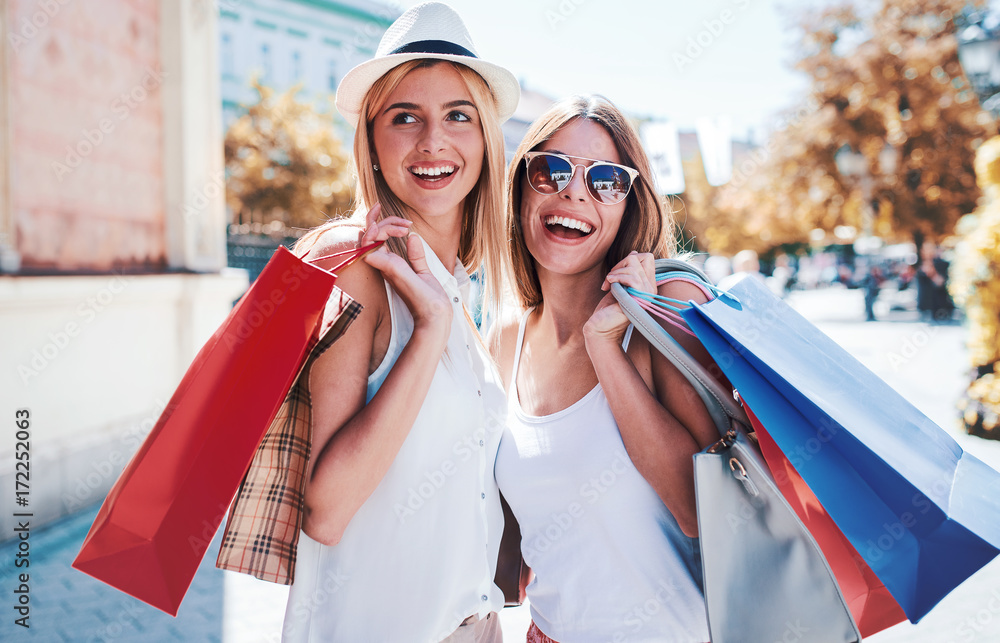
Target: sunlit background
[(154, 154)]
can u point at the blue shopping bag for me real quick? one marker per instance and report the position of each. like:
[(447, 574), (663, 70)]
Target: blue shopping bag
[(923, 514)]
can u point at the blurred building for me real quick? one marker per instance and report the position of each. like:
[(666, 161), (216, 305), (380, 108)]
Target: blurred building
[(287, 42), (112, 231)]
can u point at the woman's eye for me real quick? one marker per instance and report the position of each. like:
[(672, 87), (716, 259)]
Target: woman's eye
[(403, 119), (461, 117)]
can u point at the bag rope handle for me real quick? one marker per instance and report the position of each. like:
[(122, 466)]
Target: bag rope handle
[(352, 255)]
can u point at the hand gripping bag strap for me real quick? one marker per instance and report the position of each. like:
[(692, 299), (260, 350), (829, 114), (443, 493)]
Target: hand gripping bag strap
[(720, 404), (755, 550)]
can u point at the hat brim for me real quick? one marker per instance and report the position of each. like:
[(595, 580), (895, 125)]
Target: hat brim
[(352, 89)]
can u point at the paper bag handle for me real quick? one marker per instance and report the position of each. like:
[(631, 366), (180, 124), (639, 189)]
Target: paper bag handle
[(352, 255)]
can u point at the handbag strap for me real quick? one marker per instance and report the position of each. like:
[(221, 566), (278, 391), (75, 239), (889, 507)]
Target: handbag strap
[(352, 255), (720, 404)]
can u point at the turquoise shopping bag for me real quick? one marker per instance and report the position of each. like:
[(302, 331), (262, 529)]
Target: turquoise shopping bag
[(922, 513)]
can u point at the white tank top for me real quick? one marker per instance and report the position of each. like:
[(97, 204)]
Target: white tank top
[(610, 562), (420, 554)]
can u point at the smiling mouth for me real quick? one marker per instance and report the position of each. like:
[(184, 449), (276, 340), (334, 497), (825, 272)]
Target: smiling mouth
[(567, 228), (433, 174)]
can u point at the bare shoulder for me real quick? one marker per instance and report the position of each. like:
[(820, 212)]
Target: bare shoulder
[(683, 290), (359, 280), (502, 340)]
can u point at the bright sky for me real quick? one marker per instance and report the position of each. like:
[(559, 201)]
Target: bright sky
[(737, 53)]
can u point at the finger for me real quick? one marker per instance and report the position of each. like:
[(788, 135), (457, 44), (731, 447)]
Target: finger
[(372, 217), (415, 250), (381, 232), (630, 280), (615, 276), (393, 268), (648, 263)]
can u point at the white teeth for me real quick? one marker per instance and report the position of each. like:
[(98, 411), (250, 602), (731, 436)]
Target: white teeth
[(566, 222), (433, 171)]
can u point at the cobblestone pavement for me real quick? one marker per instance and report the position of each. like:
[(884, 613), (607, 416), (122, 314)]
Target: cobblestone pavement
[(925, 363)]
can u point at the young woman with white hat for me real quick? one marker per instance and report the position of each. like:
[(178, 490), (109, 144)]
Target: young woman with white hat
[(403, 516)]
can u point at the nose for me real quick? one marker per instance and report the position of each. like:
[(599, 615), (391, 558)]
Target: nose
[(433, 138), (577, 186)]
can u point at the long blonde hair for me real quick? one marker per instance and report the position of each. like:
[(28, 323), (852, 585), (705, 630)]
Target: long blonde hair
[(646, 225), (482, 242)]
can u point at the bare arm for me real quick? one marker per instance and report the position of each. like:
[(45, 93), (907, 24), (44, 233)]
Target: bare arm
[(354, 443), (662, 421)]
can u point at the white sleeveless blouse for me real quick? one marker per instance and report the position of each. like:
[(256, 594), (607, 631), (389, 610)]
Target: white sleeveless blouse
[(420, 554), (610, 562)]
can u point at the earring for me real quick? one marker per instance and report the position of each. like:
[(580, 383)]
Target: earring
[(375, 166)]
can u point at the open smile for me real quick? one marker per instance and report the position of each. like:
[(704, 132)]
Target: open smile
[(563, 227), (433, 176)]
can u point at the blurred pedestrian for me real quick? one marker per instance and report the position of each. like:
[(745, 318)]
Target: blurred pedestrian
[(745, 263), (872, 284), (718, 267), (933, 300), (782, 277)]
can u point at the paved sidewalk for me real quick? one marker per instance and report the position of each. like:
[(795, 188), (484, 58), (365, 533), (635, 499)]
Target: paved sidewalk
[(924, 363)]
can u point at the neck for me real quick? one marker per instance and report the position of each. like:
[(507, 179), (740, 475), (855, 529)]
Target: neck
[(568, 301), (442, 233)]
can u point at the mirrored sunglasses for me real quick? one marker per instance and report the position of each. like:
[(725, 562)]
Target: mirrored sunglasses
[(550, 173)]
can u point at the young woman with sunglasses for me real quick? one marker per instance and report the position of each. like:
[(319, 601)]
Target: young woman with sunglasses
[(403, 517), (596, 458)]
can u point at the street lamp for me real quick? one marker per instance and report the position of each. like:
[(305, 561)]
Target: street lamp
[(979, 55), (855, 165)]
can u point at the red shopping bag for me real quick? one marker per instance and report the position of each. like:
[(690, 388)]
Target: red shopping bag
[(872, 606), (156, 523)]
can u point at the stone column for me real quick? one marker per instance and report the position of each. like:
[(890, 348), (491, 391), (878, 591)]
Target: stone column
[(194, 178)]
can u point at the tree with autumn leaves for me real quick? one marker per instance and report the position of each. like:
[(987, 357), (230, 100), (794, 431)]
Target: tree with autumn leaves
[(885, 84), (285, 163)]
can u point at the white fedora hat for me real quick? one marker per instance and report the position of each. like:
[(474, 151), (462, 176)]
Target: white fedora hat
[(428, 30)]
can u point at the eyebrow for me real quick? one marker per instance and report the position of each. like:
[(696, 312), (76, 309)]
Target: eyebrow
[(415, 107)]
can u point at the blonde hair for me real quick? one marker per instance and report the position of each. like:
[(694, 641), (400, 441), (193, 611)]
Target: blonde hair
[(481, 243), (645, 227)]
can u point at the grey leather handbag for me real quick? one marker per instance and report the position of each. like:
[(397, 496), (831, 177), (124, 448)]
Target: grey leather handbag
[(765, 578)]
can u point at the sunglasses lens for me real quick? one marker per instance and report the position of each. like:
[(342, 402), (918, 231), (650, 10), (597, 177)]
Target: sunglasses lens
[(609, 184), (549, 174)]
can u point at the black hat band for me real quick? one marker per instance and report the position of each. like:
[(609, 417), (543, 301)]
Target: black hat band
[(433, 47)]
